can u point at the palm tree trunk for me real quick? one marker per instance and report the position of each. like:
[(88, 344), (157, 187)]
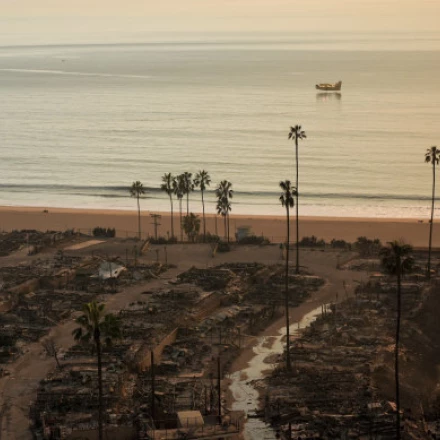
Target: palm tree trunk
[(225, 226), (181, 225), (396, 353), (172, 217), (227, 216), (297, 207), (204, 224), (286, 299), (139, 218), (187, 203), (432, 219), (97, 338)]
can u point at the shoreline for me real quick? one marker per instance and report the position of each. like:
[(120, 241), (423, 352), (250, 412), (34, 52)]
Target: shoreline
[(413, 231)]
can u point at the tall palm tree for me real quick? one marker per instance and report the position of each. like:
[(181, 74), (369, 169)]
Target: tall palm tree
[(432, 156), (223, 208), (296, 133), (397, 260), (168, 187), (187, 186), (224, 193), (136, 190), (179, 191), (287, 199), (94, 325), (191, 224), (202, 180)]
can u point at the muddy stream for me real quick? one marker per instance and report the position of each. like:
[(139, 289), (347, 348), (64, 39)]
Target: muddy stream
[(245, 395)]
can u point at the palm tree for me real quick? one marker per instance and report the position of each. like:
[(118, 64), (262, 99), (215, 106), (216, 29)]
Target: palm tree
[(187, 186), (203, 179), (179, 191), (287, 199), (191, 225), (223, 208), (224, 192), (432, 156), (397, 260), (94, 325), (136, 190), (297, 133), (168, 187)]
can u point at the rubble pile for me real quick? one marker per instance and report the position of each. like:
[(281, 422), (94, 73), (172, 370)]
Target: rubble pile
[(268, 286), (34, 241), (342, 379), (254, 283), (69, 395), (208, 279), (184, 328), (67, 399), (243, 269), (362, 264), (37, 296), (110, 276), (15, 275), (32, 303)]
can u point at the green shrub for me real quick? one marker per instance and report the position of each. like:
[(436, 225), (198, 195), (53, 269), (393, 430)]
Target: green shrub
[(104, 232), (367, 247), (254, 239), (340, 244), (163, 240), (312, 242), (210, 238), (223, 247)]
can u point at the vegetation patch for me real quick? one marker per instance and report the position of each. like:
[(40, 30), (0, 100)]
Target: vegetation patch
[(104, 232)]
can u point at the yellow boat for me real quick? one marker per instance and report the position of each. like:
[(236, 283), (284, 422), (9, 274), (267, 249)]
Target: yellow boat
[(329, 87)]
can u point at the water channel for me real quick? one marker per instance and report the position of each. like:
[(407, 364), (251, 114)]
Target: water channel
[(245, 394)]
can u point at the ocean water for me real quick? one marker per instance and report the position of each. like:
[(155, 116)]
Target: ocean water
[(80, 123)]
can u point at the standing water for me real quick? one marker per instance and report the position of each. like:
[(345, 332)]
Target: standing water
[(243, 391)]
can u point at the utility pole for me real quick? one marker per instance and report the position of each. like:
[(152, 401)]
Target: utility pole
[(219, 391), (155, 218), (153, 409)]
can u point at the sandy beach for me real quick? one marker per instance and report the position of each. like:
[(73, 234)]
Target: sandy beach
[(413, 231)]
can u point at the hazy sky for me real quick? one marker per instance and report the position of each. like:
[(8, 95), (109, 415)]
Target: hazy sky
[(35, 20)]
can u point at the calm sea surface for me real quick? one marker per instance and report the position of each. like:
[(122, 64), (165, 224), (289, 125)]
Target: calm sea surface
[(80, 123)]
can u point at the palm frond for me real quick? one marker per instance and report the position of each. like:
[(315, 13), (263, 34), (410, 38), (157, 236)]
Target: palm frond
[(137, 189), (77, 333), (94, 322), (394, 252), (297, 133), (287, 197), (167, 185), (432, 155), (202, 179)]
